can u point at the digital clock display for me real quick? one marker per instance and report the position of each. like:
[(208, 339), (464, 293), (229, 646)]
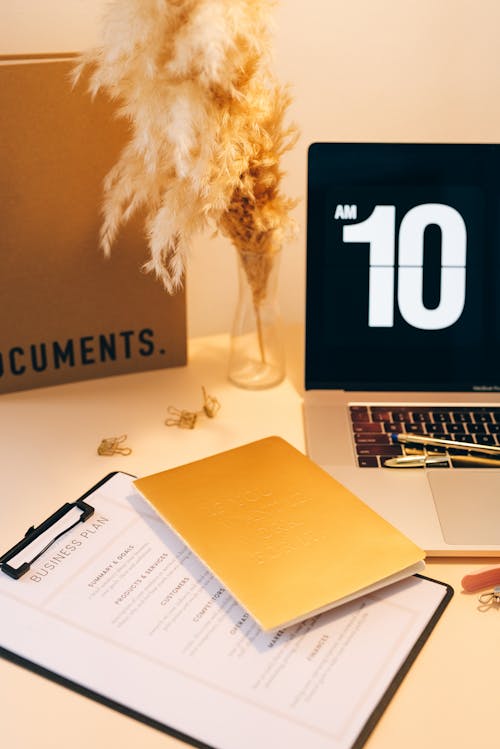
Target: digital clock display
[(403, 265)]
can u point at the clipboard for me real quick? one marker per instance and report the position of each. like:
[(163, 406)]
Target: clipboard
[(135, 571)]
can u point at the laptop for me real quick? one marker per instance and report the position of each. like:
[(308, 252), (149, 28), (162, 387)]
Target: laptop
[(402, 378)]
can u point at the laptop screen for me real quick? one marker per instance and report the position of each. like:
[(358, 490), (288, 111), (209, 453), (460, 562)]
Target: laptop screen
[(403, 267)]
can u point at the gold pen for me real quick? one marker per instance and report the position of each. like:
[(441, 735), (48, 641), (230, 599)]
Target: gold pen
[(427, 441), (427, 460)]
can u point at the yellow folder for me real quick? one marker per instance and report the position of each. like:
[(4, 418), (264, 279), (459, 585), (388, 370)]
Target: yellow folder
[(285, 538)]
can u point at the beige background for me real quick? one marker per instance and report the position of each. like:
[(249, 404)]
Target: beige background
[(362, 70)]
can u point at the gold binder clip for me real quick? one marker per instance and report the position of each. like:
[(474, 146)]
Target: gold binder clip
[(182, 419), (187, 419), (210, 404), (112, 445)]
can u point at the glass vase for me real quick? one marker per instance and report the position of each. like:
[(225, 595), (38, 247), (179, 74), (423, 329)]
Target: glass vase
[(257, 352)]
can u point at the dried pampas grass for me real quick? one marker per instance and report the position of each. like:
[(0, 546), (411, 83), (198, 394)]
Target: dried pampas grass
[(193, 79)]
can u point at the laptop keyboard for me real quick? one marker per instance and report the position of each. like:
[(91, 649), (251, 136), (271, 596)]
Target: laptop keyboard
[(373, 425)]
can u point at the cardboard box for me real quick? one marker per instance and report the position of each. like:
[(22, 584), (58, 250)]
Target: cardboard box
[(66, 312)]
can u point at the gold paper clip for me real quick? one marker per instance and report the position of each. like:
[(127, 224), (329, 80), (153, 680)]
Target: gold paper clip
[(112, 445), (491, 597)]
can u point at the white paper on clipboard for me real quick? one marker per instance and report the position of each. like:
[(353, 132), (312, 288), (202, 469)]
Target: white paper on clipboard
[(122, 611)]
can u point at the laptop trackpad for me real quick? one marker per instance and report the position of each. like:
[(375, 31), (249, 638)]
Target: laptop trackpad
[(468, 505)]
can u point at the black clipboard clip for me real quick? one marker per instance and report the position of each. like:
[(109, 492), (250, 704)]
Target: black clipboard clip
[(33, 533)]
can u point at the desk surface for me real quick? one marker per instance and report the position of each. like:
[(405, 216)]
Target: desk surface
[(48, 443)]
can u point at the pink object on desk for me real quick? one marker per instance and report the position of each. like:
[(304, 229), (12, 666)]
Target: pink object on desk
[(484, 578)]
